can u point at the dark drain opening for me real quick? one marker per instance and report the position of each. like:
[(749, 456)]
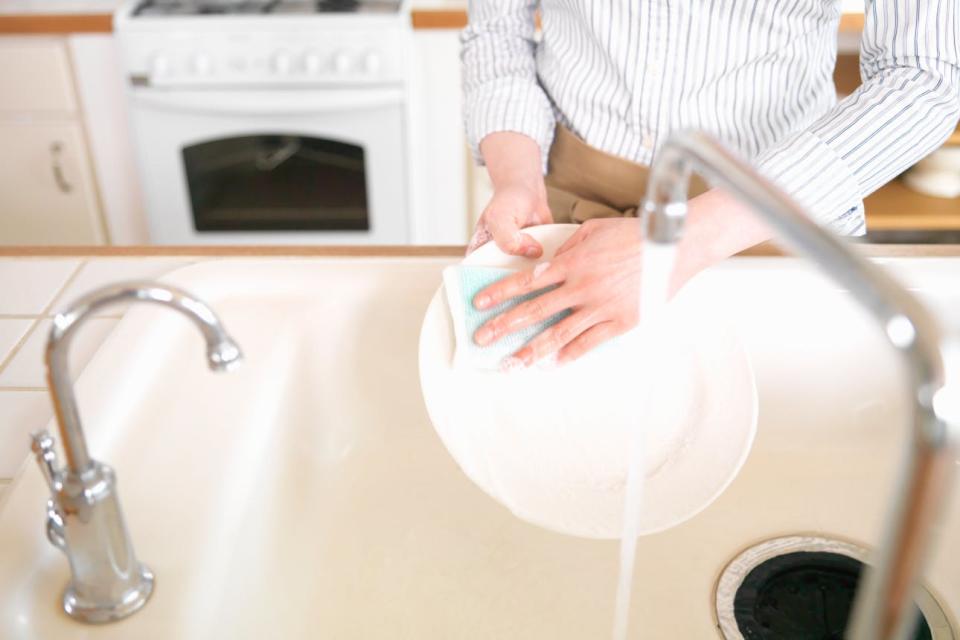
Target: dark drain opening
[(806, 595)]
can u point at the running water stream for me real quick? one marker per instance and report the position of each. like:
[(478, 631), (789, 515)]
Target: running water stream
[(656, 269)]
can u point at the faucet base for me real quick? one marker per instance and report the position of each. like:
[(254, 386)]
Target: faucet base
[(98, 612)]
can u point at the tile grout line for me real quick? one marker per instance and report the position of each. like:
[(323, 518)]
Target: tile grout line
[(19, 343), (43, 316), (70, 279), (14, 388)]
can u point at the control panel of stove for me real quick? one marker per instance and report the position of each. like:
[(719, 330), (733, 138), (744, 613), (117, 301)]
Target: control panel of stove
[(299, 58)]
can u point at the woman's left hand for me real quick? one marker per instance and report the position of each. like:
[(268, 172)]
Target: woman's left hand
[(598, 273)]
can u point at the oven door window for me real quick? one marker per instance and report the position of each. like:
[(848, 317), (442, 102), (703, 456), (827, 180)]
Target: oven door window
[(277, 183)]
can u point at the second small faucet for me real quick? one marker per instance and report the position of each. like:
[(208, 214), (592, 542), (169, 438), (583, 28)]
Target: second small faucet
[(84, 518)]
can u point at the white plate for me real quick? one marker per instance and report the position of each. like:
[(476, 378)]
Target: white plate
[(553, 444)]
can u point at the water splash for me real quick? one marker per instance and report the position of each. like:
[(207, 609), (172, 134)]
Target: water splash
[(656, 272)]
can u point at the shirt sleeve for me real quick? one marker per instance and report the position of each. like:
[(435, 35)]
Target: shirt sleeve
[(500, 86), (907, 106)]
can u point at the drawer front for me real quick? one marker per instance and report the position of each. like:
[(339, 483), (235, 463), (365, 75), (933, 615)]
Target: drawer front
[(47, 195), (35, 75)]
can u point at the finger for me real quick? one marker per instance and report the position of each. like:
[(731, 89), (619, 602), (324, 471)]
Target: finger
[(506, 233), (518, 284), (575, 239), (523, 315), (552, 340), (530, 248), (481, 236), (588, 340)]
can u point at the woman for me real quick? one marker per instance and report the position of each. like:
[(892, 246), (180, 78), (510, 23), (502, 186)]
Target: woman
[(589, 104)]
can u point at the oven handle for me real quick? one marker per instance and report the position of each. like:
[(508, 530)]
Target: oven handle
[(267, 103)]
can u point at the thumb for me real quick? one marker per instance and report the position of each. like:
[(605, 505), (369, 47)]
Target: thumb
[(506, 234)]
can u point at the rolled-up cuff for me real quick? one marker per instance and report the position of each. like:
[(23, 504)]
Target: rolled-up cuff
[(813, 174), (510, 105)]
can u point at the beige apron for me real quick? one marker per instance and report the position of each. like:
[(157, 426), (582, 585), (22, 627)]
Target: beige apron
[(584, 183)]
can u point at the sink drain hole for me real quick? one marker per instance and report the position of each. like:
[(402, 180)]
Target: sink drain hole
[(803, 596)]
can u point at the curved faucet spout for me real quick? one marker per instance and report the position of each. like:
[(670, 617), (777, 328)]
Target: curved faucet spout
[(222, 352), (884, 607)]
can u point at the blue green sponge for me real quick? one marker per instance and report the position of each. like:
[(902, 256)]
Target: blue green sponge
[(462, 284)]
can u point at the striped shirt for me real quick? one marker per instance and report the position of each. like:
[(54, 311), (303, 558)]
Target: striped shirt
[(758, 75)]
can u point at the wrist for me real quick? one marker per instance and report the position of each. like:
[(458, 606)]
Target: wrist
[(513, 161), (718, 226)]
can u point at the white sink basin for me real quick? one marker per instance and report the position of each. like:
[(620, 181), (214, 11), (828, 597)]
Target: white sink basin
[(306, 494)]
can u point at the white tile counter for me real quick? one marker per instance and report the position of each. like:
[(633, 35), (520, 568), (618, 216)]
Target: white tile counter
[(41, 7)]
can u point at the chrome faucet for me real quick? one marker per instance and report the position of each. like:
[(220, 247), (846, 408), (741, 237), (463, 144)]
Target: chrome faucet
[(84, 519), (883, 608)]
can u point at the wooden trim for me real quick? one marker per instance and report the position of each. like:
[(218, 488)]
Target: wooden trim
[(438, 18), (45, 23), (103, 22), (253, 251), (851, 22), (457, 19), (766, 249)]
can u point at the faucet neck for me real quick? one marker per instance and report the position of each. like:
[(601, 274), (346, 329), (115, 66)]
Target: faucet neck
[(221, 352)]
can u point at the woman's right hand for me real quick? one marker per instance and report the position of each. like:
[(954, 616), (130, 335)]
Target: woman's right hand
[(519, 195)]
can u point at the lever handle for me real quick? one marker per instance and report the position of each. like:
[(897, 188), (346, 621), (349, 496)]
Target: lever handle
[(56, 530), (42, 446), (56, 164)]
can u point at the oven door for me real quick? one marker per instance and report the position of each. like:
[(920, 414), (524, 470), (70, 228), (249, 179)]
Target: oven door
[(273, 166)]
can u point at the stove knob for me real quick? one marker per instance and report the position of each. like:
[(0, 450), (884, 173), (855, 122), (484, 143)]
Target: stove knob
[(160, 65), (281, 62), (341, 62), (202, 64), (372, 62), (312, 62)]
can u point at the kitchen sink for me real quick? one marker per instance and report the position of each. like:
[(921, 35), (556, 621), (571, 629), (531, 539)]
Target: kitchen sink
[(307, 495)]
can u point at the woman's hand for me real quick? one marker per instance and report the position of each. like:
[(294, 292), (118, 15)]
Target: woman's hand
[(598, 273), (598, 276), (519, 195)]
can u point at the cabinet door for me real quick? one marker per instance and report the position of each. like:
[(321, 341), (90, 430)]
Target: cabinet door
[(46, 187), (35, 75)]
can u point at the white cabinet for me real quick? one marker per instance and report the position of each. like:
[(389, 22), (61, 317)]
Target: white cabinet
[(102, 98), (442, 189), (47, 190)]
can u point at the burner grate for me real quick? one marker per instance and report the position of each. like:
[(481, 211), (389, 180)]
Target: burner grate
[(252, 7)]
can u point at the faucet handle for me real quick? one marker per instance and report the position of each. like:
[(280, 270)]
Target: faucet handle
[(42, 446)]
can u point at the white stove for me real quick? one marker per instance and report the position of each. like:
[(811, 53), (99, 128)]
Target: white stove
[(272, 121)]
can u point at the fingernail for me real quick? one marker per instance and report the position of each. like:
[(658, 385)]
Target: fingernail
[(481, 302), (511, 364), (483, 336), (526, 356), (531, 252)]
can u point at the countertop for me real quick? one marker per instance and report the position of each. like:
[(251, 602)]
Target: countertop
[(96, 16)]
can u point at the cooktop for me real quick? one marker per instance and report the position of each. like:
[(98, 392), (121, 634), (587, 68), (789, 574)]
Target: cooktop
[(154, 8)]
